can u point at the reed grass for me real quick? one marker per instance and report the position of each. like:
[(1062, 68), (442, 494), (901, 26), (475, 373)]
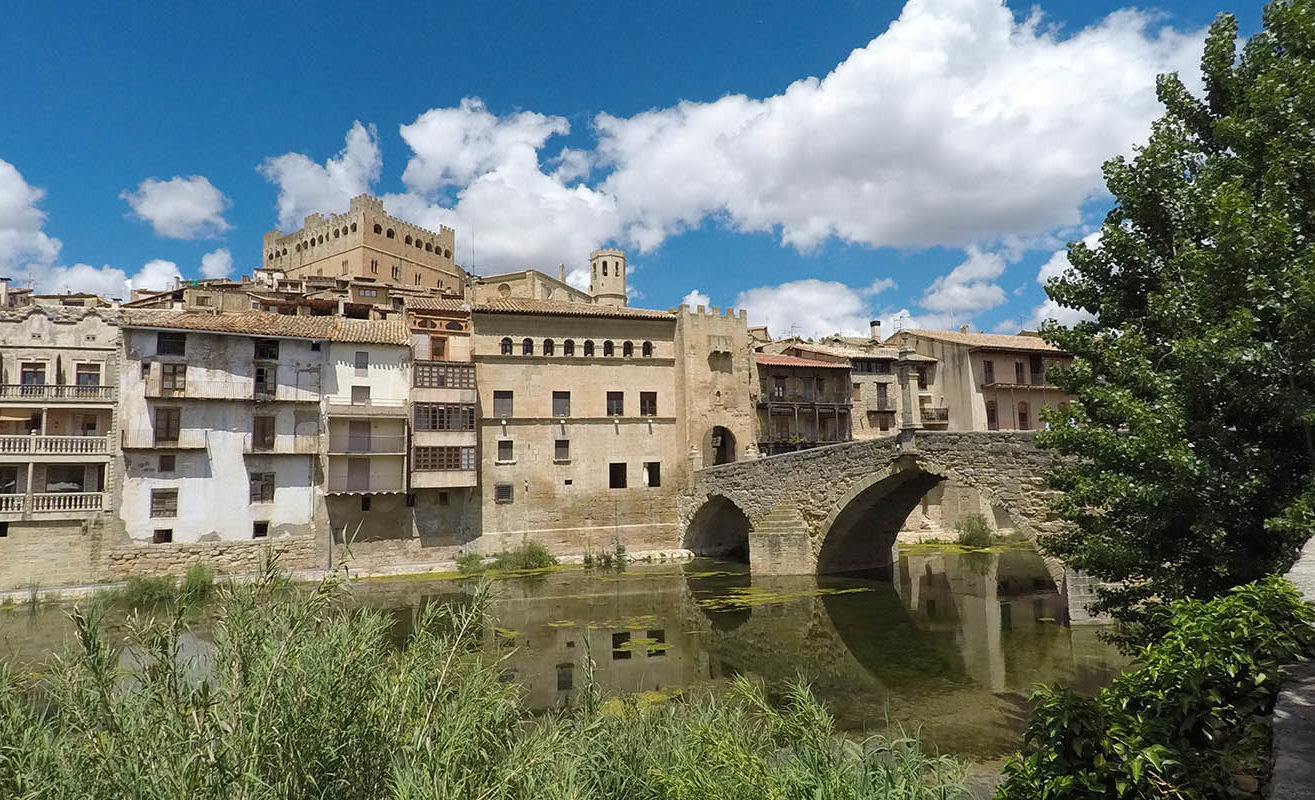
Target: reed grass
[(303, 697)]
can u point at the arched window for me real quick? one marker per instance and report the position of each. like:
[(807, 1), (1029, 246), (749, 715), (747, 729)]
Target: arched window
[(418, 244), (588, 348), (506, 347), (455, 326), (628, 349), (447, 254), (604, 269), (547, 347), (408, 239), (390, 234), (608, 349), (285, 251), (354, 227), (527, 347), (647, 349), (344, 229), (378, 229), (321, 238), (429, 248), (271, 256), (336, 233), (568, 347), (297, 248)]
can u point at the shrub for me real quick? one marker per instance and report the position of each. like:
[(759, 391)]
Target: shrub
[(1189, 722), (530, 555), (470, 562), (146, 593), (197, 584), (973, 531), (305, 699)]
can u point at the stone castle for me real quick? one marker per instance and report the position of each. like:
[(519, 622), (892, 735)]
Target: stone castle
[(362, 399)]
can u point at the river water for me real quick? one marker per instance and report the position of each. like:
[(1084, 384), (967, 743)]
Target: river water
[(946, 645)]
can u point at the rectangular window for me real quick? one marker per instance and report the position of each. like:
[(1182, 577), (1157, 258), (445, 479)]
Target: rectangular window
[(267, 349), (444, 417), (857, 393), (171, 344), (821, 388), (621, 646), (443, 498), (648, 404), (778, 388), (88, 375), (502, 403), (262, 432), (168, 463), (168, 422), (652, 473), (561, 404), (561, 450), (4, 529), (992, 418), (164, 502), (173, 380), (922, 377), (565, 677), (259, 530), (657, 642), (506, 450), (435, 459), (162, 536), (360, 395), (369, 292), (32, 374), (882, 367), (444, 376), (437, 348), (362, 363), (988, 371), (502, 493), (616, 404), (616, 476), (262, 487), (263, 382)]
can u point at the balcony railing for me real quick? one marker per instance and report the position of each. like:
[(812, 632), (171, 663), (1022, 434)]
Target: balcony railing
[(55, 391), (296, 444), (386, 443), (53, 502), (11, 503), (233, 390), (35, 444), (930, 414), (343, 407), (146, 439), (389, 484), (774, 396)]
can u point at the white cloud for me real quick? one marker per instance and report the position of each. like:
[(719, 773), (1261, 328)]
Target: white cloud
[(903, 319), (306, 187), (217, 264), (180, 208), (811, 307), (1056, 265), (695, 298), (968, 287), (106, 281), (23, 245)]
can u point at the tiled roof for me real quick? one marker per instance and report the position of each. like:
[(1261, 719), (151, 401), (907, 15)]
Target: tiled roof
[(847, 352), (518, 305), (263, 323), (436, 304), (777, 360), (990, 341)]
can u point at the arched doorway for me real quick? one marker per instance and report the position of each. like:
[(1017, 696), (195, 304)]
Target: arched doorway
[(719, 529), (718, 446)]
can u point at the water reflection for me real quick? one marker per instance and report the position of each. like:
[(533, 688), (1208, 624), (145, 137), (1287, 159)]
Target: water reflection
[(949, 644)]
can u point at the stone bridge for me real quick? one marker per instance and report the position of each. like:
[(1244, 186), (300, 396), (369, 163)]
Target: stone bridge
[(839, 508)]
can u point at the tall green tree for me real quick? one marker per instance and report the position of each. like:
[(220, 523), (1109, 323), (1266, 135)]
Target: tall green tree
[(1192, 428)]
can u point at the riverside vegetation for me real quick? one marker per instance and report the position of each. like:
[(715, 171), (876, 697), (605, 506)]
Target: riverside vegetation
[(304, 697)]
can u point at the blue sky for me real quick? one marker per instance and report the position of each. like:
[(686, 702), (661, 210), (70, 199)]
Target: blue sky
[(937, 169)]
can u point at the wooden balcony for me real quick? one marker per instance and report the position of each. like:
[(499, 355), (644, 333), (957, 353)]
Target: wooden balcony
[(36, 444), (282, 444), (57, 392), (348, 485), (232, 390), (934, 415), (146, 439), (378, 444), (343, 407)]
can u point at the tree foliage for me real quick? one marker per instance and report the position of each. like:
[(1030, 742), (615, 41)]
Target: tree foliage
[(1195, 381)]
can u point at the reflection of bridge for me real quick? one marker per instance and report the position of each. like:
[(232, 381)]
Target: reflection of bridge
[(839, 508)]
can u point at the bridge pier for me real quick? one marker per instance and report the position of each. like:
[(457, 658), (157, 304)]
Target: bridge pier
[(779, 544)]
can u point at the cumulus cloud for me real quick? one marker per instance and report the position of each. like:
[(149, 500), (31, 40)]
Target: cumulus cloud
[(1055, 266), (811, 308), (23, 244), (968, 287), (217, 264), (106, 281), (695, 298), (180, 208), (306, 187)]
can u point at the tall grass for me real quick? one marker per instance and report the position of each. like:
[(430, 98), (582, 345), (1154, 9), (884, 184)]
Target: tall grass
[(530, 555), (303, 698), (163, 591)]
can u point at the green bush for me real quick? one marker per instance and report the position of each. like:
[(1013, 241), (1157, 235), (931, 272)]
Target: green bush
[(1190, 722), (197, 584), (470, 562), (530, 555), (303, 699), (973, 531), (146, 593)]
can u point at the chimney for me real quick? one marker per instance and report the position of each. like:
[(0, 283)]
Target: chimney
[(963, 329), (4, 293), (875, 327)]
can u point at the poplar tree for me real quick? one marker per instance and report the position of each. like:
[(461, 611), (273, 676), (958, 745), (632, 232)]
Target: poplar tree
[(1190, 437)]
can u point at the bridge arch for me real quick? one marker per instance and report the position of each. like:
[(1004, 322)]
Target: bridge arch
[(719, 528), (860, 531)]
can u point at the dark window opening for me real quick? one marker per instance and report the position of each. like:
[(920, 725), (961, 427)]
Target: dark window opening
[(616, 404), (502, 493), (648, 404), (259, 530), (621, 646), (162, 536), (653, 473), (171, 344), (616, 476), (657, 644), (365, 502)]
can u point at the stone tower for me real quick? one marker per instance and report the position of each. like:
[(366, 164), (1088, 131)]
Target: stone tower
[(607, 277)]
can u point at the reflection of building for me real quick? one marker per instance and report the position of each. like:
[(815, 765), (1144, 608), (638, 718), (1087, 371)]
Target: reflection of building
[(59, 375)]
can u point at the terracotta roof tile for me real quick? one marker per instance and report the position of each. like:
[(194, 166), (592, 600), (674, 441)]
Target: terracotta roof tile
[(990, 341), (778, 360), (518, 305), (436, 304), (263, 323)]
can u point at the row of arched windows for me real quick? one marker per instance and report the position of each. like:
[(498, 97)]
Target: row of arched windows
[(428, 247), (306, 244), (568, 348)]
